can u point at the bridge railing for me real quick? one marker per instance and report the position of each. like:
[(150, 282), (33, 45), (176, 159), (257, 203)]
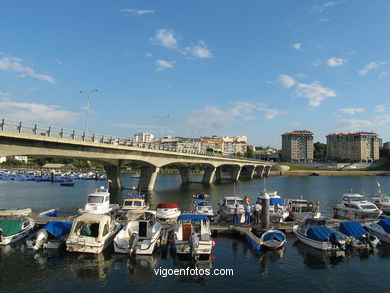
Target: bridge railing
[(50, 131)]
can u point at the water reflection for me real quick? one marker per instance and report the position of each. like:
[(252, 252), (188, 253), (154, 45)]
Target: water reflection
[(384, 250), (268, 257), (141, 267)]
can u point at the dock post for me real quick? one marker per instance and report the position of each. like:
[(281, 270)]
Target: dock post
[(265, 211)]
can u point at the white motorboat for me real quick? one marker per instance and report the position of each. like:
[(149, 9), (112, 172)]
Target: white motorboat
[(14, 229), (314, 233), (360, 238), (273, 239), (133, 207), (354, 206), (15, 212), (52, 236), (192, 236), (381, 200), (300, 209), (380, 229), (98, 202), (92, 233), (228, 205), (167, 212), (139, 236), (277, 211), (201, 205)]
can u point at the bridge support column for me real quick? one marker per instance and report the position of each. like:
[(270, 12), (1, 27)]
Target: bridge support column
[(148, 177), (236, 172), (267, 170), (218, 174), (260, 171), (208, 176), (251, 171), (113, 173), (185, 174)]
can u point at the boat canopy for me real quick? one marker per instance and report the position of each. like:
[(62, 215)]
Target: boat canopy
[(354, 229), (10, 227), (167, 206), (200, 196), (279, 236), (274, 200), (321, 233), (192, 217), (199, 202), (385, 223), (58, 228)]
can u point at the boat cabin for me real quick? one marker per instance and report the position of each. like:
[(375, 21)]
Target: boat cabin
[(192, 224), (98, 201), (92, 226), (134, 203)]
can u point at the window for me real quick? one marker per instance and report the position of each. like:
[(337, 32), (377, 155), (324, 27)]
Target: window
[(95, 199)]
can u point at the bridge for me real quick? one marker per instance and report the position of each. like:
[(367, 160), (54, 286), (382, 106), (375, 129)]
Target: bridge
[(45, 141)]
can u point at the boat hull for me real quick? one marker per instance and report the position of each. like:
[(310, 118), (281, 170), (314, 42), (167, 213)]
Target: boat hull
[(325, 246), (354, 215), (378, 232), (6, 240)]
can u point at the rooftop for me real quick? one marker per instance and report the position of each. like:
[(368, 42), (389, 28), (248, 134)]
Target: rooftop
[(298, 132)]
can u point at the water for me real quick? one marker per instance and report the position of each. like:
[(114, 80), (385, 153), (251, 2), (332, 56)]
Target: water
[(297, 268)]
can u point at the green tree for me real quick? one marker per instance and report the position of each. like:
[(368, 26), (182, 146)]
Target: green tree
[(249, 152), (319, 151)]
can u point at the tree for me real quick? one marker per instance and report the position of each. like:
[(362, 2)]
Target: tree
[(319, 151), (249, 152)]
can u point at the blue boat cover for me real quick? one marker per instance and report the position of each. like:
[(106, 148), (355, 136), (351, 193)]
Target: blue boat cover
[(321, 233), (199, 202), (273, 201), (279, 236), (385, 223), (354, 229), (192, 217), (58, 229)]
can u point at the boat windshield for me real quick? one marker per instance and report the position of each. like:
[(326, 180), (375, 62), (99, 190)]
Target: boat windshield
[(368, 206), (128, 203), (231, 202), (356, 198), (137, 204), (95, 199)]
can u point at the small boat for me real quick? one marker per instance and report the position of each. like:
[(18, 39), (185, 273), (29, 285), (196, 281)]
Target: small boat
[(52, 236), (360, 238), (133, 207), (354, 206), (314, 233), (67, 183), (380, 229), (49, 213), (277, 211), (15, 212), (98, 202), (14, 229), (192, 236), (300, 209), (139, 236), (273, 239), (228, 205), (167, 212), (92, 233), (200, 205)]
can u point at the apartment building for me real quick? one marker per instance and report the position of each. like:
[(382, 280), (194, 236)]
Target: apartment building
[(297, 146)]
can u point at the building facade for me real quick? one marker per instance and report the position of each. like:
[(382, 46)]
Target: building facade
[(297, 146), (142, 137)]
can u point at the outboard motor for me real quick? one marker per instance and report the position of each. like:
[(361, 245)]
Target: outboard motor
[(368, 239), (335, 241), (133, 242), (41, 238)]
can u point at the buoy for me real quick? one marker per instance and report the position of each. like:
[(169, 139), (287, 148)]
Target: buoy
[(213, 243)]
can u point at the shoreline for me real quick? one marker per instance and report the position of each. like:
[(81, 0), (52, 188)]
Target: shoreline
[(329, 173)]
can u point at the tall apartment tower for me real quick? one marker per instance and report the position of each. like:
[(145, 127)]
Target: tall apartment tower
[(353, 147), (297, 146)]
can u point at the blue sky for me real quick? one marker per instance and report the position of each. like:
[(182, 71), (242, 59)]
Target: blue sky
[(221, 67)]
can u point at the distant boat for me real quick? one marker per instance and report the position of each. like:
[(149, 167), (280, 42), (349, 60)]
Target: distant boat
[(49, 213), (15, 212), (67, 183)]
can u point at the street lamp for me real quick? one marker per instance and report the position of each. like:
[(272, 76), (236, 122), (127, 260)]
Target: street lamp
[(162, 118), (89, 98)]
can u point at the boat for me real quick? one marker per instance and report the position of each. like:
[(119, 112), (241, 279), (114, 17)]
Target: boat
[(277, 211), (192, 236), (14, 229), (360, 238), (15, 212), (91, 233), (201, 205), (52, 236), (354, 206), (273, 239), (380, 229), (167, 212), (49, 213), (132, 207), (67, 183), (381, 200), (314, 233), (228, 205), (98, 202), (300, 209), (140, 236)]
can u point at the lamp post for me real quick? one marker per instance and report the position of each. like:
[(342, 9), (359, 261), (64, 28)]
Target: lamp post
[(88, 102), (162, 118)]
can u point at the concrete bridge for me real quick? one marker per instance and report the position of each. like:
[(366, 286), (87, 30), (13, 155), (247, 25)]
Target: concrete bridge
[(113, 152)]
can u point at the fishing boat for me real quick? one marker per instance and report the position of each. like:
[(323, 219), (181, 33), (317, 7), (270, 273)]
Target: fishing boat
[(192, 236), (227, 207), (380, 229), (354, 206), (98, 202), (52, 236), (167, 212), (140, 236), (360, 238), (14, 229), (300, 209), (277, 211), (201, 205), (273, 239), (314, 233), (92, 233), (133, 206), (15, 212)]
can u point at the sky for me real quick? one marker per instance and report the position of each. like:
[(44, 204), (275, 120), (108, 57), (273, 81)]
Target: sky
[(198, 68)]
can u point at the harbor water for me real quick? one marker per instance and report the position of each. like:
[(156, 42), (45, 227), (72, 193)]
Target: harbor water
[(296, 268)]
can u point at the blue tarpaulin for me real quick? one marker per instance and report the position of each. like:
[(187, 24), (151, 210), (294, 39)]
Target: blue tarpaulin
[(354, 229), (385, 223), (58, 229), (273, 201), (279, 236), (192, 217), (319, 233)]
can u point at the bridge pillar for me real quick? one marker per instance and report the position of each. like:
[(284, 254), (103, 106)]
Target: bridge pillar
[(251, 171), (148, 177), (260, 171), (218, 174), (113, 177), (267, 170), (236, 172), (185, 174), (208, 176)]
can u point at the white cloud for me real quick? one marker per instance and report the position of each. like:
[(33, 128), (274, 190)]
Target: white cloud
[(352, 111), (161, 65), (380, 108), (137, 11), (148, 55), (199, 50), (383, 74), (322, 7), (58, 61), (286, 80), (4, 94), (297, 46), (335, 62), (165, 38), (356, 124), (314, 92), (370, 66), (14, 64)]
